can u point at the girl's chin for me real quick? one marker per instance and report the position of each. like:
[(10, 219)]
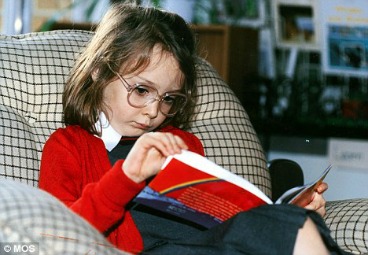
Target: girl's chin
[(135, 132)]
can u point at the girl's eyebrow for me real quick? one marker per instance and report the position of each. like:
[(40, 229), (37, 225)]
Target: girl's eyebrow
[(148, 82), (144, 80)]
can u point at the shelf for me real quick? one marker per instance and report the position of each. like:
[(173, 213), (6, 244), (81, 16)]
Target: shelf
[(313, 127)]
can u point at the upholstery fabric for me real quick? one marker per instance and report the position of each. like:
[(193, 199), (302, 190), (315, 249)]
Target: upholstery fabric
[(33, 70), (348, 222), (30, 215)]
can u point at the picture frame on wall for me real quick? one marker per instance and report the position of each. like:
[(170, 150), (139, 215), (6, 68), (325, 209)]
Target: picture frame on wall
[(296, 24), (344, 29)]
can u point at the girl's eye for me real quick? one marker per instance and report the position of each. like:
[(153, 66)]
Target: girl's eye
[(169, 99), (142, 90)]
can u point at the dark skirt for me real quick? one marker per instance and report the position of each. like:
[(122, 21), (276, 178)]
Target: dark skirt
[(270, 229)]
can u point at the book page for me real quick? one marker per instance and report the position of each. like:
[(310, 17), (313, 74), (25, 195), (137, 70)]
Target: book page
[(302, 195)]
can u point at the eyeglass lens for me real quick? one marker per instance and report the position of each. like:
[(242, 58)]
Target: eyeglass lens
[(170, 103)]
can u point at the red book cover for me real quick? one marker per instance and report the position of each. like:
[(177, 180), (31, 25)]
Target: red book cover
[(196, 189)]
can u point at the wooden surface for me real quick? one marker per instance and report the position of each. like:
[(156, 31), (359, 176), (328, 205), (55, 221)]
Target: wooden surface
[(233, 51)]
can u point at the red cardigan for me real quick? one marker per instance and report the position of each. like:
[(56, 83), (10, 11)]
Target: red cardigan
[(75, 168)]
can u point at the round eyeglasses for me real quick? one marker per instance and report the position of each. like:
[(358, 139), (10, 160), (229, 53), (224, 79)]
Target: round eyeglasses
[(140, 96)]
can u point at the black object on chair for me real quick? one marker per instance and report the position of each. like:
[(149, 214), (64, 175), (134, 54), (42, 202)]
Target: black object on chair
[(285, 174)]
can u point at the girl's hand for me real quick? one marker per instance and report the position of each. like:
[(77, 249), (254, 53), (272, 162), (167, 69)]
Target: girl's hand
[(149, 153), (318, 203)]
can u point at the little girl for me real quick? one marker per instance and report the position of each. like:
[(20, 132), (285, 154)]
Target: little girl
[(126, 104)]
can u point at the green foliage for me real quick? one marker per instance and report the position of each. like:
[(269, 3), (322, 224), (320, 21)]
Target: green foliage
[(87, 15), (156, 3), (224, 11)]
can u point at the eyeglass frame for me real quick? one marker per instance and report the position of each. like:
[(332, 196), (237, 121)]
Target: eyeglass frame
[(158, 98)]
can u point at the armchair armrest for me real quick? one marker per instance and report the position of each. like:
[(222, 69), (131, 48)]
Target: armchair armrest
[(348, 222), (30, 215)]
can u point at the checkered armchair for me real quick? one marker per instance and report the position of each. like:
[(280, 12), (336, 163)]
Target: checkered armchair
[(33, 71)]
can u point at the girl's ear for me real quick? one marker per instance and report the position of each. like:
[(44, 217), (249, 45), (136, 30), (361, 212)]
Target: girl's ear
[(95, 73)]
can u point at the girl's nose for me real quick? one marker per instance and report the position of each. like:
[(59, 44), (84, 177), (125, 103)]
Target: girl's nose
[(152, 109)]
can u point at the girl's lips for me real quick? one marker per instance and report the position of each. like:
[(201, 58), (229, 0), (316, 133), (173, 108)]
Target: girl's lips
[(141, 126)]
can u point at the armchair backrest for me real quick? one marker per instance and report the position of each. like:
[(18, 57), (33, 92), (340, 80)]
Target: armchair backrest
[(33, 70)]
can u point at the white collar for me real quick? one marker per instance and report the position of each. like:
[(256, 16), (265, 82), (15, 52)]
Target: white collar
[(109, 135)]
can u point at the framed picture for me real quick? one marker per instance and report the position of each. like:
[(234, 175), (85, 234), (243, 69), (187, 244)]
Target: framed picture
[(296, 24), (344, 29), (255, 13)]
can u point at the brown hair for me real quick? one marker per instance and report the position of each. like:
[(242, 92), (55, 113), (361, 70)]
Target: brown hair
[(124, 40)]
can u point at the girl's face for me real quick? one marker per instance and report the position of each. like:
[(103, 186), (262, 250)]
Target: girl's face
[(163, 74)]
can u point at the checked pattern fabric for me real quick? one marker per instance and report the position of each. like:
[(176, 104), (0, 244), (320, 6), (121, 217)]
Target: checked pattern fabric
[(30, 216)]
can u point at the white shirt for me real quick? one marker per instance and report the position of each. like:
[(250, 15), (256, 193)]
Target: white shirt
[(109, 135)]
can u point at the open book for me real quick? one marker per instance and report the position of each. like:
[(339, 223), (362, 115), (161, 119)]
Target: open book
[(193, 188)]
